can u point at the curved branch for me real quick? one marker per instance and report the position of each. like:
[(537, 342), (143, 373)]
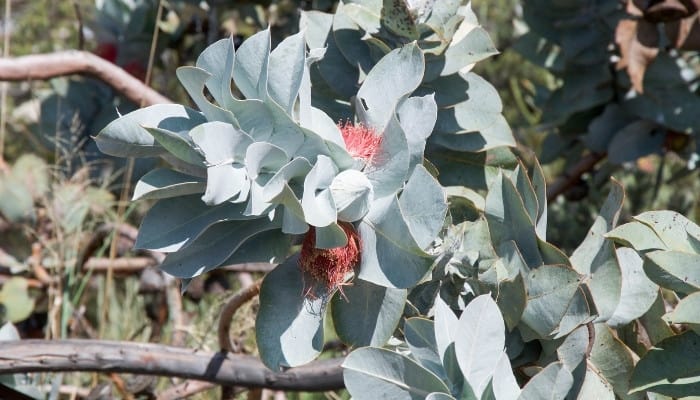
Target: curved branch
[(226, 316), (572, 175), (154, 359), (52, 65)]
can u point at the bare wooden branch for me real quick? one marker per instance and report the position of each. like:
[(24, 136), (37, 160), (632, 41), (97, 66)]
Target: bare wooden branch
[(572, 175), (52, 65), (154, 359)]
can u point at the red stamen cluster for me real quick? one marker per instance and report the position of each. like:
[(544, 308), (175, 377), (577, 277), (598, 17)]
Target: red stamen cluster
[(361, 141), (329, 267)]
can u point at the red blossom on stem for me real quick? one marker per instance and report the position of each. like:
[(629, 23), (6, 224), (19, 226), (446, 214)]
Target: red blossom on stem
[(361, 141), (329, 267)]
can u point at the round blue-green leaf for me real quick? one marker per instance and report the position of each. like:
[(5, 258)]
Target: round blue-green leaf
[(553, 382), (424, 206), (674, 270), (317, 201), (373, 373), (479, 341), (289, 326), (551, 290), (172, 224), (250, 71), (286, 70), (352, 193), (125, 136), (638, 292), (214, 246), (420, 337), (686, 312), (396, 75), (613, 360), (390, 257), (389, 172), (178, 144), (365, 314)]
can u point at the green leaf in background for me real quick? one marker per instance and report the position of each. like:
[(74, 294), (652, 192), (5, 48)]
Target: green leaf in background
[(553, 383), (372, 373), (162, 183), (289, 325), (365, 314), (14, 298), (480, 341), (667, 97), (636, 140), (126, 137), (595, 257), (671, 367)]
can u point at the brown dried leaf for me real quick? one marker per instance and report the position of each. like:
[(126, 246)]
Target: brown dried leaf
[(638, 41), (685, 34)]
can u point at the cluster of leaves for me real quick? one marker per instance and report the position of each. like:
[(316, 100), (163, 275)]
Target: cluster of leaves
[(634, 100), (458, 293)]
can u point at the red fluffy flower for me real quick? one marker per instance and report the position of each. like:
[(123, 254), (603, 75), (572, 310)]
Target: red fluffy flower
[(329, 267), (361, 141)]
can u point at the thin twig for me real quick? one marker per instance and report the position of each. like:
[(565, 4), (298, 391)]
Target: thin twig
[(573, 174), (3, 86), (81, 33), (24, 356), (225, 317), (227, 312), (71, 62)]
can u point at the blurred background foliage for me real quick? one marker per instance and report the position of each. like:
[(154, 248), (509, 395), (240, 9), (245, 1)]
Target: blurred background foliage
[(617, 81)]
